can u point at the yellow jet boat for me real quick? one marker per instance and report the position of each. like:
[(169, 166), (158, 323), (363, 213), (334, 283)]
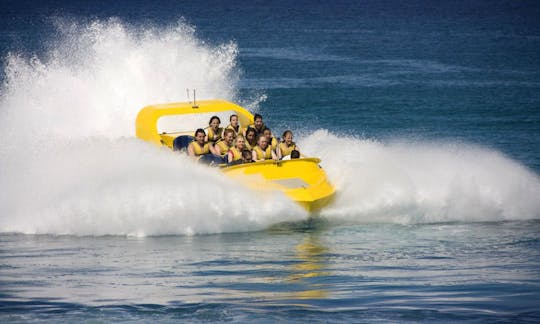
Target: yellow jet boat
[(302, 180)]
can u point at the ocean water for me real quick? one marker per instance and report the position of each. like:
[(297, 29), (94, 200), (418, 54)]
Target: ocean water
[(426, 117)]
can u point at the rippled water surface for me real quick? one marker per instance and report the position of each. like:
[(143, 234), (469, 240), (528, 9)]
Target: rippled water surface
[(308, 271)]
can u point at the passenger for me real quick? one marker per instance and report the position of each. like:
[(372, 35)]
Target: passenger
[(213, 130), (234, 125), (272, 141), (198, 147), (287, 145), (235, 153), (222, 147), (263, 151), (258, 125), (251, 139), (295, 154), (247, 156)]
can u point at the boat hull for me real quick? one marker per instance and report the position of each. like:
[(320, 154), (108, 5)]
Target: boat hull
[(302, 180)]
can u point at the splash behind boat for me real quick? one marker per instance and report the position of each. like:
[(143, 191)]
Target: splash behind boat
[(302, 180)]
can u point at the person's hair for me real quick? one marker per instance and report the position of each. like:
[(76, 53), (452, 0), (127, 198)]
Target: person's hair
[(295, 154), (285, 133), (257, 116), (227, 131), (200, 130), (246, 154), (267, 129), (240, 136), (250, 130), (214, 117), (233, 115), (261, 136)]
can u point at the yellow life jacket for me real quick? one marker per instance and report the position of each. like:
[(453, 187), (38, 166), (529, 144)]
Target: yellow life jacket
[(273, 143), (236, 154), (223, 146), (266, 154), (286, 150), (214, 137), (248, 146), (235, 130), (198, 150)]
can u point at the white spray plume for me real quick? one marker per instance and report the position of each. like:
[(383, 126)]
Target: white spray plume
[(419, 182), (96, 77), (69, 160)]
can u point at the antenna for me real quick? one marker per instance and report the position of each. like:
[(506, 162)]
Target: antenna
[(187, 91), (195, 99)]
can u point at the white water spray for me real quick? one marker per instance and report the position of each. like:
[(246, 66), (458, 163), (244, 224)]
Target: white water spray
[(69, 160), (96, 77), (412, 182)]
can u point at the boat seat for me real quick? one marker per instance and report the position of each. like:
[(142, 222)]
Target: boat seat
[(181, 142)]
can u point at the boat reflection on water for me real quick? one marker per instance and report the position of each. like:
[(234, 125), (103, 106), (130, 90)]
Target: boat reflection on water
[(294, 272), (311, 269)]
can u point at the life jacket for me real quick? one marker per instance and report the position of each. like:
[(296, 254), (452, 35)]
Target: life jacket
[(236, 130), (213, 137), (286, 150), (249, 147), (273, 143), (223, 146), (236, 154), (198, 150), (266, 154)]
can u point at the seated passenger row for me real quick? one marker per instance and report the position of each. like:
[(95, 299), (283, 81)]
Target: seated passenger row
[(234, 144)]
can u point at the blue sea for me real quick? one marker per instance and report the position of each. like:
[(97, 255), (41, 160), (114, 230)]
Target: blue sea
[(425, 114)]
